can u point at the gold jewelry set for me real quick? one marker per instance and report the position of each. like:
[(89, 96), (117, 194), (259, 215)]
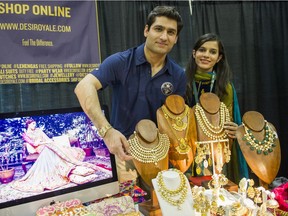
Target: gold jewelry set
[(175, 197), (149, 155), (219, 157), (217, 181), (200, 200), (202, 203), (210, 130), (254, 193), (179, 126), (266, 145), (204, 149)]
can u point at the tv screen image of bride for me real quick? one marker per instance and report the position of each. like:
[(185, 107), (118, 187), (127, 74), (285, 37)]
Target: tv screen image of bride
[(52, 155)]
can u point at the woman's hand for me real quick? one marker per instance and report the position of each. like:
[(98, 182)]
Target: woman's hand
[(230, 129)]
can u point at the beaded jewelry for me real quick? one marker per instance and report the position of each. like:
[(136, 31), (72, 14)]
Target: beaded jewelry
[(210, 130), (179, 124), (266, 145), (149, 155), (174, 197), (183, 146)]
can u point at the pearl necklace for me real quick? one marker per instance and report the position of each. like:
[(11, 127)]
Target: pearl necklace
[(179, 124), (266, 145), (149, 155), (168, 194), (211, 131), (183, 146)]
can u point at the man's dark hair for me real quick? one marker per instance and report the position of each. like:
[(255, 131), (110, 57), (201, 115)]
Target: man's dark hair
[(167, 11)]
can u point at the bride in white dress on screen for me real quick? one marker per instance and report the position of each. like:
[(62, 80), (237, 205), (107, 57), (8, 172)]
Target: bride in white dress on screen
[(56, 166)]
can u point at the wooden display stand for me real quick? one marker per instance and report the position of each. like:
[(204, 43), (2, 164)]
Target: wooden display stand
[(264, 163), (210, 112), (177, 120), (148, 137)]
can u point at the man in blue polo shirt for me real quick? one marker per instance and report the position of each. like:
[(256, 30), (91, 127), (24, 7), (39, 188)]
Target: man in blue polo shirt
[(141, 79)]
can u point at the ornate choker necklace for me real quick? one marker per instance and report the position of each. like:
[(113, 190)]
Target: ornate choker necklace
[(179, 124), (266, 145), (211, 131), (183, 146), (149, 155), (167, 194)]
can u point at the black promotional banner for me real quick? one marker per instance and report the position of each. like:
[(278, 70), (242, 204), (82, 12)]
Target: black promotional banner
[(48, 41)]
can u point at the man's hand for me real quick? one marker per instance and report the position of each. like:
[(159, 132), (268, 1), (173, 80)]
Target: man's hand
[(230, 129), (117, 144)]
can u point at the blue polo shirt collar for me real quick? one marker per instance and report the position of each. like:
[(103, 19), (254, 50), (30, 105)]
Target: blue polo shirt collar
[(141, 59)]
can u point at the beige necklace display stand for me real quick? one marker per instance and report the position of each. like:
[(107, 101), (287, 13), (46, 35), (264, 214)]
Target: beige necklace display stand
[(177, 120), (150, 156), (172, 181), (210, 116), (264, 160)]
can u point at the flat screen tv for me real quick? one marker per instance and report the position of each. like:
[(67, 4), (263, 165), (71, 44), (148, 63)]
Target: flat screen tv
[(69, 127)]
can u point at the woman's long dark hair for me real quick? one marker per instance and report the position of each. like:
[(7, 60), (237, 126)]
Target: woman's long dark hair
[(221, 68)]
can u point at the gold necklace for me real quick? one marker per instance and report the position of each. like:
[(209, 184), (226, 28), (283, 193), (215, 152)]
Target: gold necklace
[(211, 131), (149, 155), (183, 146), (266, 145), (179, 124), (167, 194)]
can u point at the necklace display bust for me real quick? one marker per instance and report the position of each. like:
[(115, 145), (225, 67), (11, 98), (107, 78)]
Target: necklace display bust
[(149, 149), (213, 149), (260, 145), (173, 192), (176, 120)]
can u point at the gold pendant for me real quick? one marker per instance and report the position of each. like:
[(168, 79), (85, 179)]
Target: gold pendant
[(179, 127), (209, 161), (198, 170), (183, 147)]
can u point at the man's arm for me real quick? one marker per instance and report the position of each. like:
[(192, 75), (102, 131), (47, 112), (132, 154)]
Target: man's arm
[(86, 92)]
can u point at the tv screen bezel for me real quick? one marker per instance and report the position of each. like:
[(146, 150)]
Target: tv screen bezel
[(62, 193)]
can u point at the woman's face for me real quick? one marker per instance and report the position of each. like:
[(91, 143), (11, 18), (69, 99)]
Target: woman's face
[(207, 56), (32, 125)]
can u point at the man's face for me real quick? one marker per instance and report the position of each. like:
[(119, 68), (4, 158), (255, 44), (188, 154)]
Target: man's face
[(162, 35)]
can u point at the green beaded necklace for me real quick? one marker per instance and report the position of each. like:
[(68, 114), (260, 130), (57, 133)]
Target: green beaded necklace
[(266, 145)]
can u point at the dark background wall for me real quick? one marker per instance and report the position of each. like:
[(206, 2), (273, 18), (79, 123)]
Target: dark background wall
[(254, 34)]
